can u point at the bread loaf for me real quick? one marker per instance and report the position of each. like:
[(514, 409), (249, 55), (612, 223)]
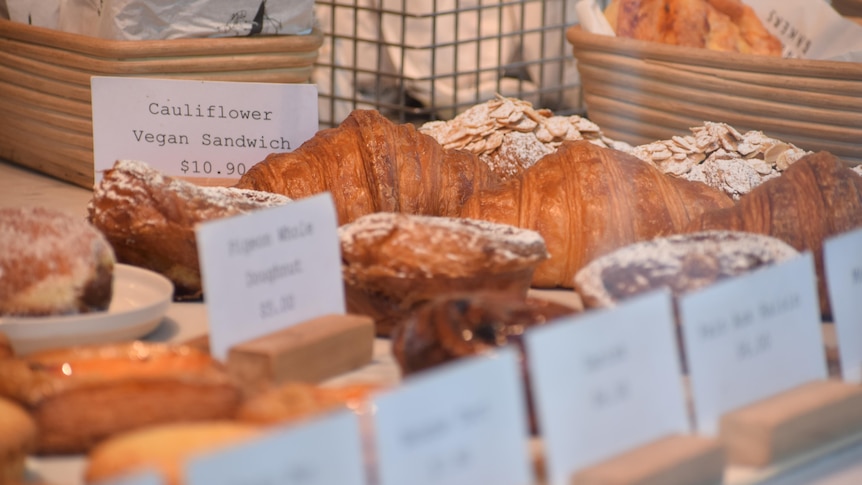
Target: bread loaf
[(723, 25)]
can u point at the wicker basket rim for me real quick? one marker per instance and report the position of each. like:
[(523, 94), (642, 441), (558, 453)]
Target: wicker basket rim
[(116, 49), (583, 40)]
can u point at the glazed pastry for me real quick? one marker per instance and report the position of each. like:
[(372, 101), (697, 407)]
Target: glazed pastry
[(17, 440), (722, 25), (394, 262), (682, 263), (82, 395), (459, 325), (298, 400), (150, 219), (456, 326), (162, 449), (816, 197), (52, 264)]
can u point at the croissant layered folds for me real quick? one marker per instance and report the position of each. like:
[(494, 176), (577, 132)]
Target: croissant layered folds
[(584, 200), (816, 198)]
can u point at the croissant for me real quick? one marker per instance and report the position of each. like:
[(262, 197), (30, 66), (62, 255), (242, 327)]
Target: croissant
[(816, 197), (370, 164), (584, 200)]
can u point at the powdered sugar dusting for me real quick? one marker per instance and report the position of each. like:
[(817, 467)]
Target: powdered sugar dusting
[(682, 262), (42, 245), (439, 245), (130, 181)]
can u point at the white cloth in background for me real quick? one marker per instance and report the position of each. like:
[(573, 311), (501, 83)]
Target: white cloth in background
[(461, 68), (168, 19), (43, 13)]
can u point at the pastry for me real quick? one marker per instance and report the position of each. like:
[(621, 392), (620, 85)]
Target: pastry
[(150, 219), (583, 199), (393, 262), (459, 325), (294, 401), (816, 197), (162, 449), (371, 164), (52, 264), (455, 326), (586, 201), (682, 263), (17, 440), (82, 395), (510, 136), (722, 25)]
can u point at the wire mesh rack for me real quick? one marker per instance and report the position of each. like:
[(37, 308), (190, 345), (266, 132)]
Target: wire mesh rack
[(422, 60)]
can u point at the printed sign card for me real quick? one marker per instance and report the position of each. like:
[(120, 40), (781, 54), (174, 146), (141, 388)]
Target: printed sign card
[(269, 269), (751, 337), (201, 130), (464, 423), (324, 451), (842, 259), (605, 382)]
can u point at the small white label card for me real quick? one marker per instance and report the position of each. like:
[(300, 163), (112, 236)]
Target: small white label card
[(463, 423), (323, 451), (842, 260), (270, 269), (751, 337), (605, 382), (205, 130)]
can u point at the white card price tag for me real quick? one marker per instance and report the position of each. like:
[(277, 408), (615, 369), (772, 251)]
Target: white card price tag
[(751, 337), (605, 382), (460, 424), (842, 260), (269, 269), (198, 129), (324, 451)]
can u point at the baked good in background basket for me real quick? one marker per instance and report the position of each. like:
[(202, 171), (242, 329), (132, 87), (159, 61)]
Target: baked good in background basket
[(162, 449), (79, 396), (17, 440), (393, 262), (721, 25), (150, 219), (682, 263), (52, 263)]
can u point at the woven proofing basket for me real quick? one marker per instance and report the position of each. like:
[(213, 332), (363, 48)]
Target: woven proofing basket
[(640, 92), (46, 122)]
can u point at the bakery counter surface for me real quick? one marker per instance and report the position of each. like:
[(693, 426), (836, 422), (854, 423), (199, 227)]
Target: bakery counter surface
[(837, 464)]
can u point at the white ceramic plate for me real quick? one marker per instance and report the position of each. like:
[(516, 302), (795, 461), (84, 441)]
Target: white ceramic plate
[(140, 300)]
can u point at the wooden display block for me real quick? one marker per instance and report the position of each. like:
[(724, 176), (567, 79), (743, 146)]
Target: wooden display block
[(310, 351), (672, 460), (794, 421)]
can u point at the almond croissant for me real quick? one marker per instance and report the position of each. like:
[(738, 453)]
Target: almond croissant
[(584, 200), (816, 197)]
